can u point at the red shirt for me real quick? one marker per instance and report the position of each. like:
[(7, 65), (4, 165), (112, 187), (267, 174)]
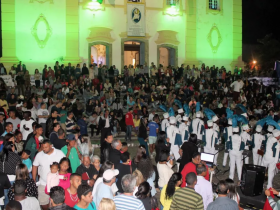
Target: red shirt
[(191, 167), (95, 82), (70, 200), (129, 119), (37, 142)]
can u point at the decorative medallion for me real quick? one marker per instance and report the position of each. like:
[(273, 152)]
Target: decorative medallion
[(210, 38), (41, 1), (34, 31)]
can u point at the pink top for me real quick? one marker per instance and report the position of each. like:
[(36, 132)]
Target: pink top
[(53, 180), (65, 183)]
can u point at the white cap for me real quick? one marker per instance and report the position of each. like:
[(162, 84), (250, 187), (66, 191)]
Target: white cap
[(21, 97), (180, 111), (165, 115), (270, 128), (276, 133), (185, 118), (110, 174), (259, 128), (245, 127), (244, 114), (215, 118), (172, 120), (230, 121), (210, 123), (198, 114), (235, 129)]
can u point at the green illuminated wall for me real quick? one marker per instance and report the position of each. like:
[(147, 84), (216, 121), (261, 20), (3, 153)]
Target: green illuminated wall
[(40, 32)]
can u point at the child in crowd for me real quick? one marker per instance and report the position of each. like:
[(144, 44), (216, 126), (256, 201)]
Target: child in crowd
[(124, 147), (53, 176), (26, 160), (85, 146)]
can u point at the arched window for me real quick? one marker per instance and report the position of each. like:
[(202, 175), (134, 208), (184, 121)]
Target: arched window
[(213, 4)]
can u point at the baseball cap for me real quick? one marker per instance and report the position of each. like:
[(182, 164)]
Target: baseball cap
[(70, 137), (110, 174)]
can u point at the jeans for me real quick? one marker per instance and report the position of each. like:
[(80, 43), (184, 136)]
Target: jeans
[(37, 83), (114, 131), (142, 142), (128, 132), (6, 201), (161, 206)]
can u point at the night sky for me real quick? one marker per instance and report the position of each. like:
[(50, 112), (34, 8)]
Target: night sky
[(260, 17)]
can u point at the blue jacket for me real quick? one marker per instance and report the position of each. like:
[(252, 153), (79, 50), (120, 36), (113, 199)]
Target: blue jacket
[(83, 126)]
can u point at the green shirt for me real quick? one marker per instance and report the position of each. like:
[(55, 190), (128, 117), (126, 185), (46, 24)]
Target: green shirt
[(73, 157), (63, 118)]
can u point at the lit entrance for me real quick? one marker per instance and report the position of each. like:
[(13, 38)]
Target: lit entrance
[(168, 55), (131, 53), (100, 53)]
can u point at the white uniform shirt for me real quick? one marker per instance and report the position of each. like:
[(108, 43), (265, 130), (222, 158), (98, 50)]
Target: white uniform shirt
[(245, 137), (258, 138), (28, 124), (164, 124), (210, 136), (269, 152), (196, 127), (182, 129), (236, 142)]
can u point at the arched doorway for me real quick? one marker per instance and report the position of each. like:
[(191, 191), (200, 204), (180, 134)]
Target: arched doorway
[(137, 49), (131, 53), (167, 55), (100, 53)]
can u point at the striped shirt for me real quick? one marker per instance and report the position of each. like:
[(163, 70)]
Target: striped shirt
[(186, 198), (70, 124), (125, 202)]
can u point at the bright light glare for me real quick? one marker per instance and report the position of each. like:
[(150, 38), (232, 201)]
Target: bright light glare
[(254, 62)]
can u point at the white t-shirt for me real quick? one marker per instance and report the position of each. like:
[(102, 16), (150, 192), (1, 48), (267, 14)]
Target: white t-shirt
[(28, 124), (30, 203), (43, 161), (42, 112), (15, 122)]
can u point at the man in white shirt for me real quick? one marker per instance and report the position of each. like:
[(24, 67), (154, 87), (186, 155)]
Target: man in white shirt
[(42, 161), (26, 125), (203, 186), (103, 190), (237, 86), (27, 203)]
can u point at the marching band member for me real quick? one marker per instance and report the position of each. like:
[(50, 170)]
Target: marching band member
[(257, 140), (227, 134), (235, 145), (184, 129), (165, 122), (270, 128), (246, 137), (180, 115), (215, 120), (197, 125), (173, 134), (271, 155), (210, 139)]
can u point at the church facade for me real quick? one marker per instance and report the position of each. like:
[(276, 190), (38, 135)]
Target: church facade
[(122, 32)]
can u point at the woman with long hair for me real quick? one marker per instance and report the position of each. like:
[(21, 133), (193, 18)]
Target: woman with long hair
[(141, 150), (85, 145), (145, 166), (232, 193), (139, 179), (142, 134), (31, 188), (161, 144), (168, 190), (99, 179)]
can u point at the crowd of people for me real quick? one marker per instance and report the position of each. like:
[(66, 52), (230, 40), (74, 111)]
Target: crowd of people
[(47, 158)]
